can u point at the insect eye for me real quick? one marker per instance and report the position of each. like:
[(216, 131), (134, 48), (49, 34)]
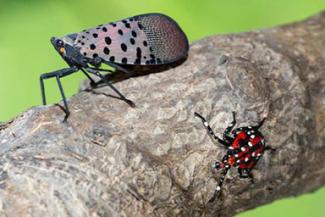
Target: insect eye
[(59, 43)]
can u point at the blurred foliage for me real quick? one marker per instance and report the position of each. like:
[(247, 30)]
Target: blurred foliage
[(25, 50)]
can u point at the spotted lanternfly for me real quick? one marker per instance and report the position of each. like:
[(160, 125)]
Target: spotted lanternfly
[(149, 39), (245, 146)]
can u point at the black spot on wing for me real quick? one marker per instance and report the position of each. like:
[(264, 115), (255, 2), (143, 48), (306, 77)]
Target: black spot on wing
[(106, 50), (124, 47), (124, 60), (108, 40), (92, 46), (112, 59)]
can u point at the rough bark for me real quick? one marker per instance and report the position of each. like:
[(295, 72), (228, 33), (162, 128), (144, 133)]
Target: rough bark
[(154, 160)]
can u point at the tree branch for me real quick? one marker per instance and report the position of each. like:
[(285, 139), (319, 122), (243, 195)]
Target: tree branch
[(154, 160)]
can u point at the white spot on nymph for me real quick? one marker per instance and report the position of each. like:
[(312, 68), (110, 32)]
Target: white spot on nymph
[(259, 154), (246, 159), (231, 148), (243, 148), (227, 166), (236, 155), (262, 141), (250, 144), (238, 161), (225, 161), (218, 188), (248, 133), (253, 154), (249, 127), (253, 136), (252, 131)]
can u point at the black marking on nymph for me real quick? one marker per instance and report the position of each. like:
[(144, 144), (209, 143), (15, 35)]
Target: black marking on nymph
[(108, 40), (124, 47)]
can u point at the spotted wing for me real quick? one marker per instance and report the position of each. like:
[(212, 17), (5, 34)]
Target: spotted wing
[(148, 39)]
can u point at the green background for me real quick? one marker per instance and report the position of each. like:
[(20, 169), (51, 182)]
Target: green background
[(25, 50)]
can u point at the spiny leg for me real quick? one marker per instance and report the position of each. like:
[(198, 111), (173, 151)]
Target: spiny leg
[(210, 131), (92, 82), (67, 112), (226, 134), (218, 188), (96, 72), (61, 72), (260, 124)]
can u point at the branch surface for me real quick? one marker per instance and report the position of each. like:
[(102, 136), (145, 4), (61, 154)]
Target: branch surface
[(154, 160)]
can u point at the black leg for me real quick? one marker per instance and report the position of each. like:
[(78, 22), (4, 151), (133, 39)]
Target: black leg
[(92, 82), (226, 134), (218, 188), (260, 124), (58, 74), (269, 148), (210, 131), (118, 67), (67, 112), (95, 72), (244, 173), (101, 70)]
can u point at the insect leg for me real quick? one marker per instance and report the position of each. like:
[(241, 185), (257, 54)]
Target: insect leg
[(92, 82), (260, 124), (226, 134), (63, 72), (218, 188), (118, 67), (210, 131), (269, 148), (66, 109), (95, 72)]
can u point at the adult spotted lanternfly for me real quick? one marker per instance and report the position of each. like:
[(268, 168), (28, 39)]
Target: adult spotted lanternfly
[(149, 39), (245, 146)]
